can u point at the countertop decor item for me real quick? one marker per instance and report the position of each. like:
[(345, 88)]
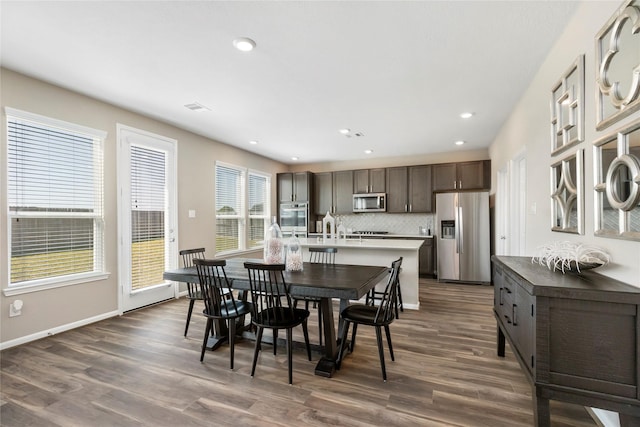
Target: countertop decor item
[(570, 257), (274, 244)]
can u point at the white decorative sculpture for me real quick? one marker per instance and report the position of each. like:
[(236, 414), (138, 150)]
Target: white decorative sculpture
[(342, 232), (329, 221)]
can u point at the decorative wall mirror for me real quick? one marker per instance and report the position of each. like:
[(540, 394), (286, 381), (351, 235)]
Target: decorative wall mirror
[(617, 184), (618, 65), (567, 194), (567, 108)]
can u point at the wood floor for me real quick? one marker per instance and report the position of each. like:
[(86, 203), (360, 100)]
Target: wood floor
[(138, 369)]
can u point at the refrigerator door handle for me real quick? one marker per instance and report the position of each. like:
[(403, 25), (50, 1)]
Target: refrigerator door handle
[(460, 229)]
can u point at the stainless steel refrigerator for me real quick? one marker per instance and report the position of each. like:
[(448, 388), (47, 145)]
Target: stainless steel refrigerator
[(462, 221)]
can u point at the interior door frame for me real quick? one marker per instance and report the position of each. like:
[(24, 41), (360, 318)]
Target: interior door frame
[(159, 142)]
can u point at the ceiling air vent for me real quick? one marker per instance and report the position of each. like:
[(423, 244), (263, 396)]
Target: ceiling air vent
[(196, 106)]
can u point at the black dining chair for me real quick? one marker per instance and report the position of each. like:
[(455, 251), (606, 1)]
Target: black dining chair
[(318, 256), (273, 308), (193, 289), (378, 316), (374, 296), (219, 300)]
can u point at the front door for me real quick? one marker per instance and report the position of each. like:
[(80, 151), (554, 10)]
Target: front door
[(146, 217)]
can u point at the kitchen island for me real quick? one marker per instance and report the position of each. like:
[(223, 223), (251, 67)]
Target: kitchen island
[(377, 252)]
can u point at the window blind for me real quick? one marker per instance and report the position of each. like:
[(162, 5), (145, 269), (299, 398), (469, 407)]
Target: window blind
[(148, 201), (258, 208), (229, 207), (55, 199)]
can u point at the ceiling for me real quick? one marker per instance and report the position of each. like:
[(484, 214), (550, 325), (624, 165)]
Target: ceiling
[(397, 72)]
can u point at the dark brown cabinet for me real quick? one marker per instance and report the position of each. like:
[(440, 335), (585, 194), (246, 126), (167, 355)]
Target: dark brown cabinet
[(294, 187), (409, 189), (426, 258), (333, 192), (577, 336), (369, 181), (474, 175)]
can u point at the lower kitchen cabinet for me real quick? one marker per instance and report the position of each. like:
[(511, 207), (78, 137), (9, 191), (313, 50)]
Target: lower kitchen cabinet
[(426, 258), (576, 336)]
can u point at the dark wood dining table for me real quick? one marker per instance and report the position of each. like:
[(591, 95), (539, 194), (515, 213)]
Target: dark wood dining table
[(339, 281)]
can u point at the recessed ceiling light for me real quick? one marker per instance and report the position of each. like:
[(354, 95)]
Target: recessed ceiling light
[(196, 106), (294, 158), (466, 115), (244, 44), (253, 142), (345, 131), (368, 151), (459, 142)]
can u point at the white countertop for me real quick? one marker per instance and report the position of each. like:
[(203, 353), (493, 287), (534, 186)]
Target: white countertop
[(381, 236), (389, 244)]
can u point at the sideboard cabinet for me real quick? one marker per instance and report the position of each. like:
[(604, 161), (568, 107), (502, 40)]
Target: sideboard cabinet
[(576, 336)]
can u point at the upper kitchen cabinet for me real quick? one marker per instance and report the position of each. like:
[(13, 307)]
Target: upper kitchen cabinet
[(294, 187), (462, 176), (369, 181), (333, 192), (409, 189)]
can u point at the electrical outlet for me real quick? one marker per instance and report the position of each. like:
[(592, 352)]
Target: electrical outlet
[(192, 213), (15, 308)]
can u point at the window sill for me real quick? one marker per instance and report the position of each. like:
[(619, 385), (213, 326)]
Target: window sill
[(26, 289)]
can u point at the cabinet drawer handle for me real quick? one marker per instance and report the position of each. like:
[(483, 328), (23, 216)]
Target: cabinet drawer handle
[(513, 314), (501, 301), (508, 319)]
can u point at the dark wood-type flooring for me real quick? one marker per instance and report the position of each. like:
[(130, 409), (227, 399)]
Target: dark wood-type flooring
[(138, 369)]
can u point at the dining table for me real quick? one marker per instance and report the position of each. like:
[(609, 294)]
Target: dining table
[(344, 282)]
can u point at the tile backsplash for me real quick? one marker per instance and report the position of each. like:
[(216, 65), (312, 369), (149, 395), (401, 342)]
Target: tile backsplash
[(391, 223)]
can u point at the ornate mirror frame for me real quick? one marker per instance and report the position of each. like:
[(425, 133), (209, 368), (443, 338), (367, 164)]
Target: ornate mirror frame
[(617, 184), (567, 194), (567, 108), (618, 65)]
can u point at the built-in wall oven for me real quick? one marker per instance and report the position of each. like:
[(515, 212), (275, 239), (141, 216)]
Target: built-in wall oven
[(294, 216)]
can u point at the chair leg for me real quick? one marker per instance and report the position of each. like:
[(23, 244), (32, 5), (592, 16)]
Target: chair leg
[(386, 330), (257, 349), (232, 340), (305, 331), (381, 352), (353, 337), (206, 338), (400, 298), (343, 339), (290, 353), (186, 327), (275, 341), (319, 325)]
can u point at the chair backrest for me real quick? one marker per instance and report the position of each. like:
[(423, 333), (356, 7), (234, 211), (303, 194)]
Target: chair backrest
[(386, 309), (322, 255), (188, 256), (218, 299), (269, 292)]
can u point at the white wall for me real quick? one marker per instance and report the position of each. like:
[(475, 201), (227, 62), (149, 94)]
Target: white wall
[(528, 129)]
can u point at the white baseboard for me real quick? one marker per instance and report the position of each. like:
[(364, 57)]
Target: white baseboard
[(57, 330)]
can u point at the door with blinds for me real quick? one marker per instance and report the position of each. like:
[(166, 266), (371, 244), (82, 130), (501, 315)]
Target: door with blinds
[(147, 219)]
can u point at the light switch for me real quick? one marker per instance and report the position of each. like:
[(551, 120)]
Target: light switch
[(192, 213), (534, 208)]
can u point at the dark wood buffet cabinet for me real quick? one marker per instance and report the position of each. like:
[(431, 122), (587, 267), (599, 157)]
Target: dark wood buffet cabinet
[(576, 336)]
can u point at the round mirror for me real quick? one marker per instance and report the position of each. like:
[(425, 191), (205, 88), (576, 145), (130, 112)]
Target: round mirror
[(623, 176)]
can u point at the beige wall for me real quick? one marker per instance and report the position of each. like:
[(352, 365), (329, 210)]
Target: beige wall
[(46, 311), (528, 131), (426, 159)]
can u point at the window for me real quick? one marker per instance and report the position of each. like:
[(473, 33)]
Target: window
[(55, 199), (242, 197)]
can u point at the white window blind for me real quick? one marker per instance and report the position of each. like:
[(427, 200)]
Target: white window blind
[(242, 197), (258, 208), (55, 197), (148, 202)]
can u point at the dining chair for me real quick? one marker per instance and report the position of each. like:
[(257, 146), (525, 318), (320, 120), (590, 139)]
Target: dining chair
[(193, 289), (219, 301), (378, 316), (318, 256), (273, 308), (374, 295)]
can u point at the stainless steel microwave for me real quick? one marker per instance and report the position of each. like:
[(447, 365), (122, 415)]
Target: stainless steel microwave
[(370, 202)]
